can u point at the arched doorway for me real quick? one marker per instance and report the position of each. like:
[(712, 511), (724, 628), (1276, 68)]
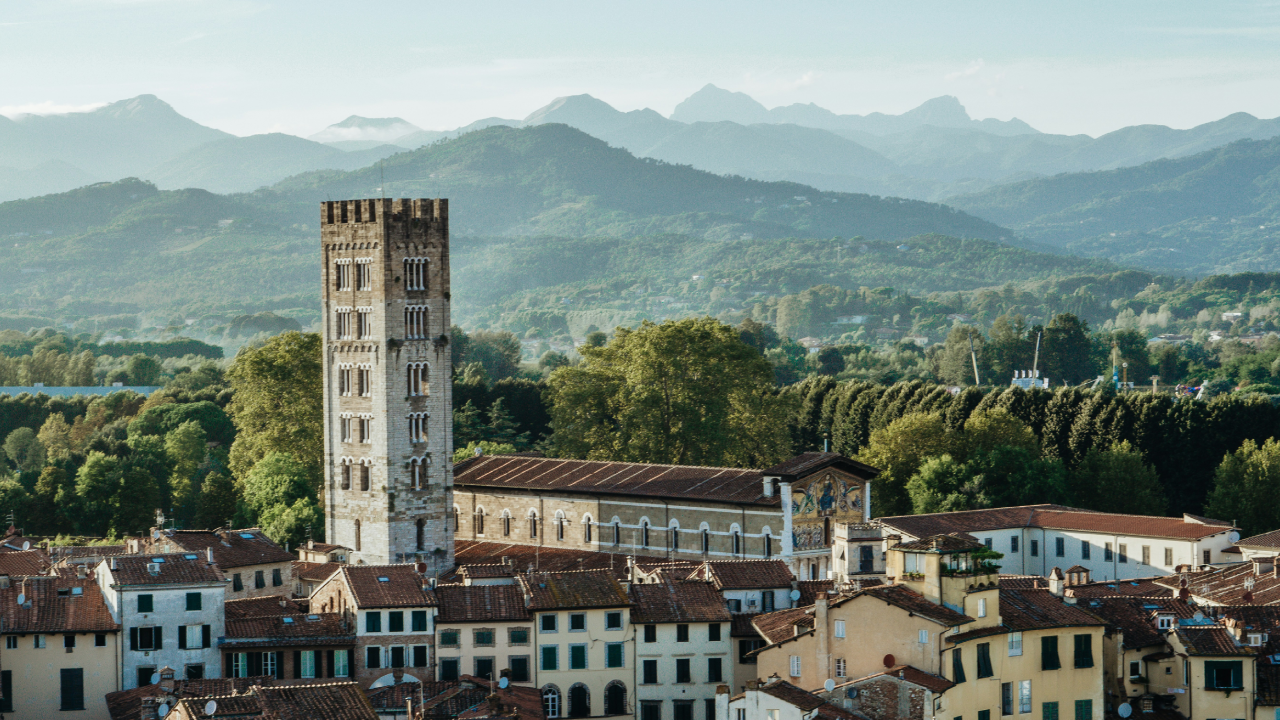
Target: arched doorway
[(551, 701), (579, 701), (615, 699)]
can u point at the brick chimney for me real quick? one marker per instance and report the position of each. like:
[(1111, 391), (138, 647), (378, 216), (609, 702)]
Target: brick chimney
[(1057, 583)]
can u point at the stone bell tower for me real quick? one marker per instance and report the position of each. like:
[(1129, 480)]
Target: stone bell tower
[(387, 391)]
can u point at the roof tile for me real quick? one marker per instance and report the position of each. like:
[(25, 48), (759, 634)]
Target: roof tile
[(677, 601), (176, 569), (1054, 517), (481, 603), (384, 586), (231, 548), (575, 589)]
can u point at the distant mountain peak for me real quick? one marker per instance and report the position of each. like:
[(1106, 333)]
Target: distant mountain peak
[(572, 110), (715, 104), (135, 106), (361, 128)]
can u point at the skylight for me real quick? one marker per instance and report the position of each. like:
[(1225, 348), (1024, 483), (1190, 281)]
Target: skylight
[(247, 536), (288, 621), (77, 591), (313, 618), (157, 560), (191, 556), (384, 579)]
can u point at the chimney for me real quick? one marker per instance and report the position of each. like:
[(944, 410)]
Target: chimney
[(166, 679), (148, 708), (768, 486), (208, 555), (1056, 582), (113, 564), (820, 632), (722, 702), (81, 572)]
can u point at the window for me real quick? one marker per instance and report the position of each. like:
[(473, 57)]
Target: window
[(713, 632), (450, 638), (484, 668), (519, 666), (533, 525), (768, 546), (982, 607), (1135, 669), (736, 543), (11, 642), (957, 667), (415, 273), (613, 620), (614, 654), (1084, 710), (37, 642), (1223, 675), (194, 601), (650, 672), (1013, 544), (984, 715), (1049, 653), (923, 638), (417, 428), (373, 622), (1024, 697), (1059, 548), (617, 533), (72, 689), (841, 668), (586, 530), (577, 622), (518, 636), (1106, 552), (987, 542), (308, 664), (342, 275), (506, 524), (1049, 711), (578, 657), (795, 666), (373, 657), (259, 579), (1085, 550), (344, 381), (683, 709), (194, 671), (1207, 555), (140, 638), (1035, 548), (1168, 556), (419, 656), (1164, 622), (395, 621), (1123, 553), (1084, 651), (363, 382), (69, 642), (734, 605), (449, 669), (364, 324), (366, 436), (550, 657), (343, 317), (683, 673), (193, 637), (344, 427), (706, 541), (418, 621), (745, 648), (650, 710), (767, 601), (363, 276), (1015, 644), (839, 628), (416, 326), (418, 374), (984, 661), (146, 603), (715, 669), (644, 534), (548, 622), (1006, 698), (1146, 554), (682, 633), (341, 663), (651, 633)]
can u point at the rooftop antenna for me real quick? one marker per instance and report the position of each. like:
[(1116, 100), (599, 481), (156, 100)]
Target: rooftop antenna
[(974, 356), (1035, 362)]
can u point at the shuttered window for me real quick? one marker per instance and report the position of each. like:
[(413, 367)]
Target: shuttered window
[(72, 688)]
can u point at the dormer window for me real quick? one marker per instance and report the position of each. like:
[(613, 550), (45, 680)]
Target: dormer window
[(1164, 622), (912, 563)]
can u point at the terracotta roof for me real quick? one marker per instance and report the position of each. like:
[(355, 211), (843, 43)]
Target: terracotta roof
[(13, 541), (808, 463), (127, 704), (1212, 640), (1268, 683), (1246, 619), (811, 590), (385, 586), (177, 569), (741, 625), (312, 571), (806, 701), (527, 700), (28, 562), (231, 548), (73, 552), (732, 485), (487, 571), (1267, 540), (481, 603), (677, 601), (395, 696), (950, 543), (327, 701), (1227, 585), (521, 557), (745, 574), (1140, 587), (324, 547), (575, 589), (1029, 609), (52, 605), (911, 674), (454, 701), (780, 625), (1137, 617), (291, 630), (1053, 517), (912, 601), (261, 607)]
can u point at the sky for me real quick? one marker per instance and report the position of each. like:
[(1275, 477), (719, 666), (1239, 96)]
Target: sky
[(254, 66)]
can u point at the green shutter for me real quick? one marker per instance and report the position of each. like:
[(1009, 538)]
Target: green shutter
[(957, 666), (1049, 653), (1049, 711), (613, 655), (419, 620), (549, 659), (1084, 651), (577, 657), (1084, 710), (145, 603)]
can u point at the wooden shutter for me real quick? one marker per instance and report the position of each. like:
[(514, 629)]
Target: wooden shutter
[(159, 642), (6, 691), (227, 659), (328, 664), (297, 665), (182, 637), (206, 636), (279, 665), (72, 688), (133, 638)]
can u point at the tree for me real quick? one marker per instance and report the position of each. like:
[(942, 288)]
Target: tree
[(956, 364), (24, 449), (55, 437), (276, 481), (502, 429), (1009, 349), (1244, 487), (1066, 350), (498, 352), (144, 370), (687, 392), (467, 425), (53, 501), (1118, 480), (898, 451), (185, 447), (937, 486), (290, 525), (757, 335), (551, 360), (486, 447), (277, 403), (830, 361), (596, 339), (986, 431), (13, 499), (218, 501)]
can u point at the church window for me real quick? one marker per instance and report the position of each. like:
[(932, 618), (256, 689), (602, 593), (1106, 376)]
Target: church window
[(364, 275), (415, 322), (364, 323), (674, 532), (363, 381), (706, 541), (737, 542), (342, 275), (506, 523), (533, 524), (346, 474), (417, 374), (366, 429), (559, 526), (344, 427), (364, 477), (586, 529), (343, 317), (415, 273), (344, 379), (480, 521), (417, 477), (418, 428), (617, 533), (644, 533)]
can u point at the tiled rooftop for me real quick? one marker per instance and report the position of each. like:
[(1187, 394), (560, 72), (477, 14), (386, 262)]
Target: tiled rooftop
[(327, 701), (1139, 587), (261, 607), (1056, 517), (231, 548), (314, 572), (1032, 609), (1137, 617), (1228, 585), (24, 562), (912, 601), (386, 586), (481, 603), (127, 704), (731, 485), (55, 604), (176, 569), (745, 574), (289, 630), (1211, 640), (513, 701), (911, 674), (1265, 541), (779, 625), (575, 589), (522, 557), (677, 601), (806, 464), (951, 543)]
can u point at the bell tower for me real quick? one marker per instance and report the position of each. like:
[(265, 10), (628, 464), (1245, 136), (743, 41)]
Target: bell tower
[(388, 487)]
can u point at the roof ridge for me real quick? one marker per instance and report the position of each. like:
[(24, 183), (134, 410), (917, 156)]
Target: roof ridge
[(626, 462)]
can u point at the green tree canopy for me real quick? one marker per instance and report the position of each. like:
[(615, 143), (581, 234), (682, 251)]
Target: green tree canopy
[(1244, 487), (277, 403), (687, 392), (1118, 480)]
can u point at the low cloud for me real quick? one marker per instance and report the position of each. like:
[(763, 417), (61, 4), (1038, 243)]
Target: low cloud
[(974, 68), (48, 107)]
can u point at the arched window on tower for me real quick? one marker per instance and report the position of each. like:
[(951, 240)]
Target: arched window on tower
[(417, 428), (416, 326), (365, 476), (586, 529), (345, 470), (420, 529), (417, 473), (418, 375), (415, 273), (674, 536), (560, 526), (457, 519), (644, 533), (506, 523)]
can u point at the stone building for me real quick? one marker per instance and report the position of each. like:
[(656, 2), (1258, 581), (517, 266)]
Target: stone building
[(387, 390), (253, 563), (789, 512)]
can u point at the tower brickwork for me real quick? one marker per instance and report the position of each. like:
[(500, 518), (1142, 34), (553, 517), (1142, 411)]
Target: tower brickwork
[(387, 390)]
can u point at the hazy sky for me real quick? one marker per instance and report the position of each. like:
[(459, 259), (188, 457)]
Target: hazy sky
[(252, 66)]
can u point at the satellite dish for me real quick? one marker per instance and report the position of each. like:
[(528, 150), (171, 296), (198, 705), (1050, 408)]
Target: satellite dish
[(795, 595), (890, 661), (155, 678), (1125, 710), (163, 709), (155, 534), (1198, 616), (22, 598), (503, 683), (26, 544), (211, 707), (829, 685), (1233, 537)]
